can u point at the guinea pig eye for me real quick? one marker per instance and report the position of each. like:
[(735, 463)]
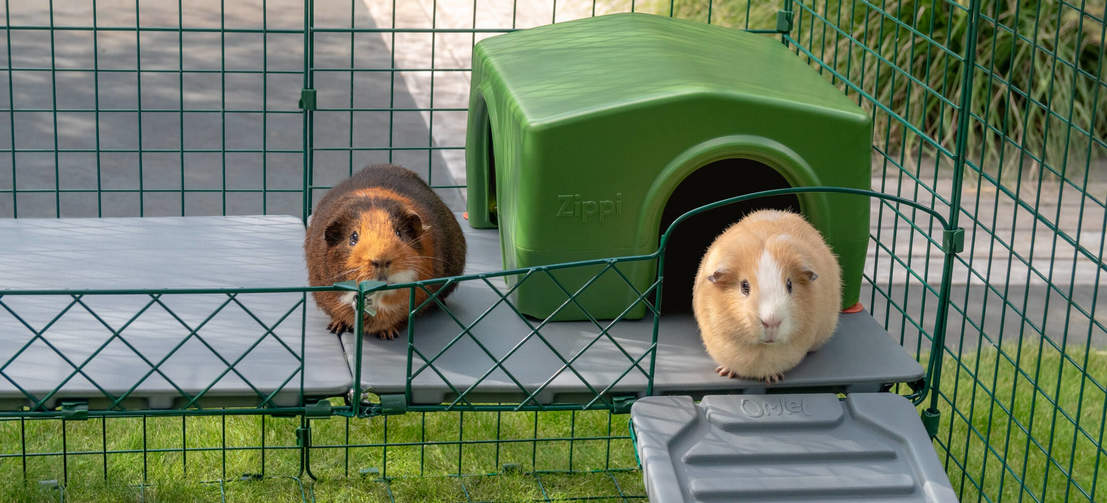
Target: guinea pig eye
[(745, 288), (788, 285), (397, 233), (353, 238)]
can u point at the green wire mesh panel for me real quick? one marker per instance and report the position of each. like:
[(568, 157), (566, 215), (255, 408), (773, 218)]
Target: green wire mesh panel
[(167, 109), (996, 112), (992, 113)]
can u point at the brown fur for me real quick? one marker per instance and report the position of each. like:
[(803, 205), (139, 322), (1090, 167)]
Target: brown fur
[(732, 323), (405, 233)]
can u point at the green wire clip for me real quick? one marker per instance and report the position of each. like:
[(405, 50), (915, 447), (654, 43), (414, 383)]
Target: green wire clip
[(307, 99)]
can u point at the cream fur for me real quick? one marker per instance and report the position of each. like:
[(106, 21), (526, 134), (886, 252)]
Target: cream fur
[(766, 248)]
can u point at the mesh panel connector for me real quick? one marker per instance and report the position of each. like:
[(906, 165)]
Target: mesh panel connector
[(784, 21), (74, 410), (307, 99), (303, 436), (930, 418), (954, 241), (621, 404), (321, 408), (393, 404)]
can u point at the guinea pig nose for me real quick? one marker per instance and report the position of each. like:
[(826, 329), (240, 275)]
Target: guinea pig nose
[(770, 323)]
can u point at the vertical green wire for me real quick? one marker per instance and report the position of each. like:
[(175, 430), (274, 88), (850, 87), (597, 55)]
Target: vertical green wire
[(265, 107), (96, 109), (308, 115), (222, 446), (964, 110), (22, 433), (460, 440), (607, 449), (104, 444), (184, 446), (145, 453), (1103, 408), (392, 85), (353, 74), (822, 36), (534, 445), (976, 227), (138, 101), (261, 462), (838, 44), (65, 455), (11, 124), (384, 450), (410, 345), (1098, 273), (1007, 282), (1053, 253), (223, 102), (180, 99), (1030, 258), (430, 117), (498, 436), (572, 435), (54, 114), (423, 443)]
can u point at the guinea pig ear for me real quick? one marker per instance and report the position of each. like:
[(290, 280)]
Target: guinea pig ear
[(410, 226), (721, 277), (334, 232), (808, 272)]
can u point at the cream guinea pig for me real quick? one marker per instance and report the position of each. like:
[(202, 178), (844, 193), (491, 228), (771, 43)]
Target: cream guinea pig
[(768, 291)]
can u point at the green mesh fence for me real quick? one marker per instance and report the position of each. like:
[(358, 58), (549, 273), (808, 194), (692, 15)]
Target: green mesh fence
[(990, 115)]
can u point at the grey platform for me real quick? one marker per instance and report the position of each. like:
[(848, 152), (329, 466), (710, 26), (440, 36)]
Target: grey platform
[(795, 447), (266, 252), (860, 357), (160, 253)]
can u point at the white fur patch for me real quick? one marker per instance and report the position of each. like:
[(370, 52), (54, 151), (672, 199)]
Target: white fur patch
[(349, 298), (404, 276), (772, 292)]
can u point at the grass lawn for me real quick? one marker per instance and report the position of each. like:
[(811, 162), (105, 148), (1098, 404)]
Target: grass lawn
[(971, 441), (1005, 429), (352, 474)]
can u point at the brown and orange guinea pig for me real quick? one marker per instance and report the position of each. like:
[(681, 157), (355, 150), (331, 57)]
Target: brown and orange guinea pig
[(383, 223), (767, 292)]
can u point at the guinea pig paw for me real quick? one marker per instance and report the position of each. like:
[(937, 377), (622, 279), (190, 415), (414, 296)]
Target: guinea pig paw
[(773, 379), (389, 333), (338, 327), (725, 372)]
